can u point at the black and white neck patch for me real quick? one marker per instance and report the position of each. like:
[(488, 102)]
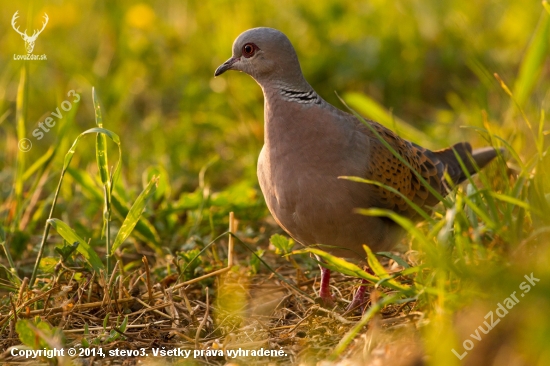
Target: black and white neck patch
[(300, 96)]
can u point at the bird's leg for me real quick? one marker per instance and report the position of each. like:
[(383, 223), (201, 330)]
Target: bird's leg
[(324, 292), (359, 297)]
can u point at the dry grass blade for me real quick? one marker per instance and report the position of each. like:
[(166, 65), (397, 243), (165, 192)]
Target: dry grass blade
[(230, 249), (148, 282), (203, 321)]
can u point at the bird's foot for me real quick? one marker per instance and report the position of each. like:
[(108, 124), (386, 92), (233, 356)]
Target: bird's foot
[(326, 301), (359, 297)]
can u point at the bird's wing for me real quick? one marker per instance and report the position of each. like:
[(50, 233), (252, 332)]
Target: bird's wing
[(386, 168)]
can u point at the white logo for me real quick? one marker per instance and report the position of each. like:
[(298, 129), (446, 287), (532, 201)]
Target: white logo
[(29, 40)]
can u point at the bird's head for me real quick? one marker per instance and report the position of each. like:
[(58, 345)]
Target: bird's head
[(266, 54)]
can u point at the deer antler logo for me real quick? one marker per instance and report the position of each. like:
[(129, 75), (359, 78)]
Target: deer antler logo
[(29, 40)]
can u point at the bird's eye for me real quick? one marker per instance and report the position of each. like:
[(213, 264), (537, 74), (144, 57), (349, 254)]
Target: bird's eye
[(249, 49)]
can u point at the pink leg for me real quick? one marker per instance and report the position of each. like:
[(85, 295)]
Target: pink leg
[(359, 297), (324, 292)]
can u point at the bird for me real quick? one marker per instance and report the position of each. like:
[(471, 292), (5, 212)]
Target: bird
[(309, 144)]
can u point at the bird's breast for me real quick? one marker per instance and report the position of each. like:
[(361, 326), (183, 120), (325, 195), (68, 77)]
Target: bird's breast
[(298, 174)]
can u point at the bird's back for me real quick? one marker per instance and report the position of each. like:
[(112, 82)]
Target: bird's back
[(304, 154)]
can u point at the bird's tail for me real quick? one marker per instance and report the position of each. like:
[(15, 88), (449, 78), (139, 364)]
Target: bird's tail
[(473, 160)]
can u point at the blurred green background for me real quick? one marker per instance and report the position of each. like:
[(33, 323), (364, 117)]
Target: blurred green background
[(429, 63)]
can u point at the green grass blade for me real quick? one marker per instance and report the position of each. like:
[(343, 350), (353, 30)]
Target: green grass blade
[(41, 162), (6, 249), (509, 148), (135, 213), (395, 258), (480, 212), (86, 182), (373, 110), (21, 118), (533, 62), (261, 260), (369, 314), (540, 135), (101, 142), (341, 265), (83, 247), (72, 150), (103, 167), (517, 202), (417, 208), (381, 272), (405, 223), (399, 157), (144, 228), (66, 161)]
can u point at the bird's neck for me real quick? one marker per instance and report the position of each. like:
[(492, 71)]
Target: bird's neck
[(301, 93), (286, 109)]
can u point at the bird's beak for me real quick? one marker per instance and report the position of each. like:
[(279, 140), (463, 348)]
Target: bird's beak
[(227, 65)]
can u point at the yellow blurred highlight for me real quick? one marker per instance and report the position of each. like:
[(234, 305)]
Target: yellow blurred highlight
[(140, 16), (62, 15), (232, 298)]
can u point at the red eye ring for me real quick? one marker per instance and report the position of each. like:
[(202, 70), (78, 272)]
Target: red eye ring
[(249, 50)]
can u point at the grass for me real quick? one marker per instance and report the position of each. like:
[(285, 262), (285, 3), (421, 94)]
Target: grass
[(145, 253)]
